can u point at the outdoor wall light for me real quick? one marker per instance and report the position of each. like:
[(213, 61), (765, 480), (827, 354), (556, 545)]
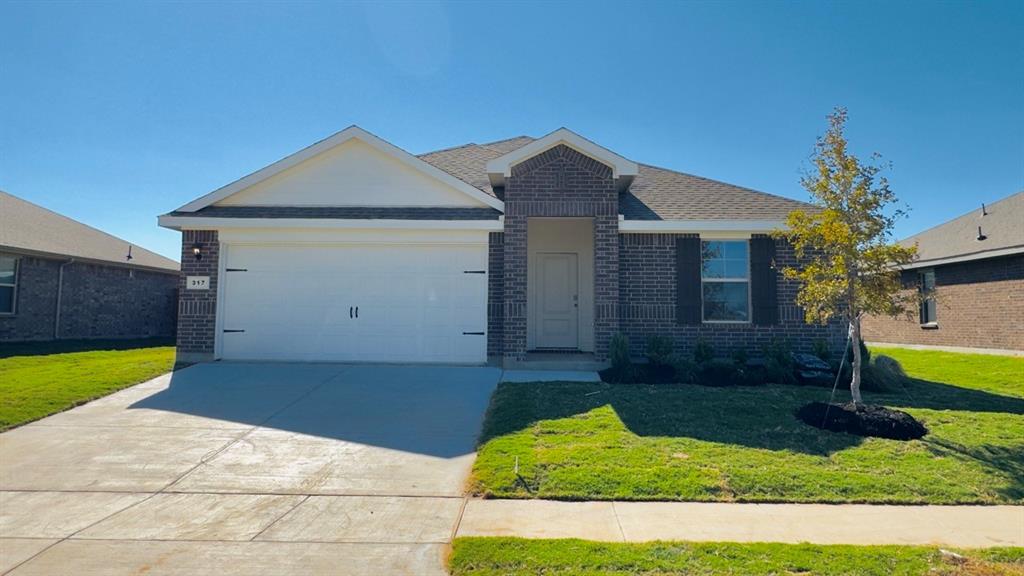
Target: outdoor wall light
[(197, 251)]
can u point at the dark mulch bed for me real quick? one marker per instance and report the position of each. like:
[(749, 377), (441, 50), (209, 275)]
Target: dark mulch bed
[(863, 420)]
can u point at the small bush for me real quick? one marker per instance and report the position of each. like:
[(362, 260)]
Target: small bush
[(740, 357), (778, 362), (702, 351), (822, 350), (882, 374), (684, 371), (659, 351), (726, 373), (618, 350)]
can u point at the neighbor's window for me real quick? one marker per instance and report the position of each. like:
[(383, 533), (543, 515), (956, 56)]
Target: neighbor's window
[(725, 281), (926, 282), (8, 277)]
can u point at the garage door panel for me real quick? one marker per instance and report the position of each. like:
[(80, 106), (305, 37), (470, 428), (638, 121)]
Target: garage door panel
[(415, 302)]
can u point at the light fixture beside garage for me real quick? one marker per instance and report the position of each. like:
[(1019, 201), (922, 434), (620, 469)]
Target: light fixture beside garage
[(197, 251)]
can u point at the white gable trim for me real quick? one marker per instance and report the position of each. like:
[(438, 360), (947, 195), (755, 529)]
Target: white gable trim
[(336, 140), (501, 167), (211, 223)]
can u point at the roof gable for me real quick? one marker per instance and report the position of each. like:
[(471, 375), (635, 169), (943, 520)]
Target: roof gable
[(623, 170), (1001, 227), (350, 168)]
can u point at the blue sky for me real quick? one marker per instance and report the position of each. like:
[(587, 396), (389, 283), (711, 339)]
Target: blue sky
[(115, 113)]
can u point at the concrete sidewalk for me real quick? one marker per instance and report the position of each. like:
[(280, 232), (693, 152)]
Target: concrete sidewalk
[(952, 526)]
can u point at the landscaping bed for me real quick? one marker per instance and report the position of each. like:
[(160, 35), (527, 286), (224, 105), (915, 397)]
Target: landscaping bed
[(599, 441), (519, 557)]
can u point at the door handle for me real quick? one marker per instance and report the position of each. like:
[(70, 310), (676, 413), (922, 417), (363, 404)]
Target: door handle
[(349, 311), (357, 311)]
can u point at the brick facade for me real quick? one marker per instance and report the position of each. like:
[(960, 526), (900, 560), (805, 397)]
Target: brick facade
[(979, 304), (97, 301), (560, 182), (495, 293), (197, 309), (647, 291)]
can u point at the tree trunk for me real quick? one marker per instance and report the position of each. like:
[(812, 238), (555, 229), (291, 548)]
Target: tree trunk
[(855, 383)]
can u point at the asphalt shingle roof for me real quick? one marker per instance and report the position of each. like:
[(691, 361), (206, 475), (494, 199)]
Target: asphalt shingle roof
[(1003, 227), (655, 194), (26, 226)]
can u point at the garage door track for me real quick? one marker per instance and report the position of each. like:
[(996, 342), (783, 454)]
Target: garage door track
[(247, 468)]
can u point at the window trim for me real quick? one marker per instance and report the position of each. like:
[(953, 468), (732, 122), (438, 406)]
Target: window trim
[(750, 303), (14, 285), (933, 322)]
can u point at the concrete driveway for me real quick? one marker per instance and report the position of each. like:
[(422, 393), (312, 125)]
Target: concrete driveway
[(253, 469)]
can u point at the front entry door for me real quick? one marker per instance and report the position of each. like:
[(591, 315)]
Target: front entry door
[(557, 300)]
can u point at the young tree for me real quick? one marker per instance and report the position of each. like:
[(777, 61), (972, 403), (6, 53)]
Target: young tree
[(848, 259)]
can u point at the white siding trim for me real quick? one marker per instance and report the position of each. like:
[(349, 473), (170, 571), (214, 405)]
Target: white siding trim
[(208, 223)]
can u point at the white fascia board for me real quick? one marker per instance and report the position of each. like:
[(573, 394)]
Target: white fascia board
[(501, 167), (964, 258), (208, 223), (336, 140), (699, 226)]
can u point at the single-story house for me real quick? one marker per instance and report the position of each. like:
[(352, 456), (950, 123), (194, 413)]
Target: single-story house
[(971, 270), (61, 279), (355, 250)]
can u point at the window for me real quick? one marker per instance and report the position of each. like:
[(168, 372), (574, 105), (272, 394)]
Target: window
[(926, 284), (8, 279), (725, 281)]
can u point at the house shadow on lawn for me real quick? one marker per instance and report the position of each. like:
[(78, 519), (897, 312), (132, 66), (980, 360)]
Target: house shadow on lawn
[(431, 410), (756, 417)]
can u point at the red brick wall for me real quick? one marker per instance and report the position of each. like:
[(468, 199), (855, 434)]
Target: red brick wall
[(979, 304)]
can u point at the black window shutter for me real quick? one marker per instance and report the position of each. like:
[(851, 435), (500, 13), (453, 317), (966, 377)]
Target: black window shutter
[(688, 280), (763, 281)]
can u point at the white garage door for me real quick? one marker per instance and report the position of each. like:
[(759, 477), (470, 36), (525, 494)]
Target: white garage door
[(355, 302)]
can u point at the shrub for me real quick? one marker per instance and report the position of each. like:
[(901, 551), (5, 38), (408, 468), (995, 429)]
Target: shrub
[(618, 350), (684, 371), (726, 373), (883, 374), (702, 351), (659, 351), (822, 350), (778, 362), (740, 357)]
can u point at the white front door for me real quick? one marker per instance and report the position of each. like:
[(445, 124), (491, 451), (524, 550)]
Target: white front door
[(355, 302), (557, 300)]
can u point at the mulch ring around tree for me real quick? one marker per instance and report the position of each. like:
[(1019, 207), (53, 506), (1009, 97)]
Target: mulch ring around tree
[(863, 420)]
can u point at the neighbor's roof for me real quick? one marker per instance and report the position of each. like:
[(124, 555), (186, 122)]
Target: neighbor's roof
[(655, 194), (1002, 224), (27, 227)]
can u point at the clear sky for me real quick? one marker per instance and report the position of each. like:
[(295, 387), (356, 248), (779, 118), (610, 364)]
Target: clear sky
[(115, 113)]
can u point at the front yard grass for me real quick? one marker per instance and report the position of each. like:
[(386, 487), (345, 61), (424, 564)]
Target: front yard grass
[(595, 441), (512, 557), (37, 380)]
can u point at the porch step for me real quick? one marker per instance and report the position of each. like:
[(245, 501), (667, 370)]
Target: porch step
[(557, 361)]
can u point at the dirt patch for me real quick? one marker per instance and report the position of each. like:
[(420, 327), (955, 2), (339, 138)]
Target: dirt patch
[(863, 420)]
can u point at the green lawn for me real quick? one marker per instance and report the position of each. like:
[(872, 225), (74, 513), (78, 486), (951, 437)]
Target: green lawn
[(636, 442), (517, 557), (40, 379)]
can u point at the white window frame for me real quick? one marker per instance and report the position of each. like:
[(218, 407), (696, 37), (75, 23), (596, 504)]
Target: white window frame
[(750, 305), (929, 296), (13, 285)]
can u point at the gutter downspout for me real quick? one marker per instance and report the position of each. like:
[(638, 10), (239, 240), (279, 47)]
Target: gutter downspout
[(60, 289)]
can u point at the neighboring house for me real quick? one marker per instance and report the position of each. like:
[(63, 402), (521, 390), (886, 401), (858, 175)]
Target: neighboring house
[(971, 273), (355, 250), (61, 279)]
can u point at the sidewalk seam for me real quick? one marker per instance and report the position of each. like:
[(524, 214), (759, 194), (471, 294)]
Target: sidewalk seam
[(618, 522)]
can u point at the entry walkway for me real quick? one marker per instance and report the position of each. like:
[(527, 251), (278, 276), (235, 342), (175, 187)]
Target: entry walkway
[(949, 526)]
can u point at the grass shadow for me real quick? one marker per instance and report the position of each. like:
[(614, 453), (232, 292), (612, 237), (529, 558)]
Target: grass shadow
[(46, 347)]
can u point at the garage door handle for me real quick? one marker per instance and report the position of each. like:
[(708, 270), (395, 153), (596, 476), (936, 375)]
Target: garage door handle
[(357, 311), (349, 311), (231, 331), (472, 333)]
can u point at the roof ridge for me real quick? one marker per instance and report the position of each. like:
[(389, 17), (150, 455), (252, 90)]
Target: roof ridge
[(724, 183), (80, 223)]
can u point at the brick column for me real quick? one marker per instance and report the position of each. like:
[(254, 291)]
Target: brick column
[(197, 309)]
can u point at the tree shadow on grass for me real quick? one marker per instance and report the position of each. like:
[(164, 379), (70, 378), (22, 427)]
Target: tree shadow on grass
[(1009, 460), (756, 417)]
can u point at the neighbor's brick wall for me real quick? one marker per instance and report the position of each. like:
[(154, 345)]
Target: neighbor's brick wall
[(495, 292), (197, 309), (97, 301), (979, 304), (647, 292), (560, 182)]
